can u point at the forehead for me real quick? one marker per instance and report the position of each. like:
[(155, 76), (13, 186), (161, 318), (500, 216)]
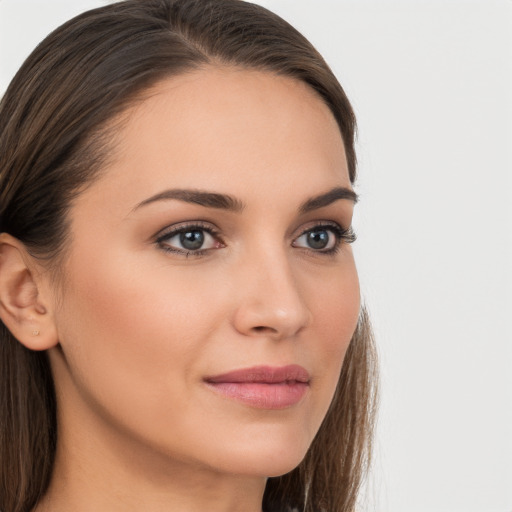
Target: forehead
[(219, 128)]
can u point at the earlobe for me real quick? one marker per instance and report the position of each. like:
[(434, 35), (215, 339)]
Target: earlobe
[(22, 308)]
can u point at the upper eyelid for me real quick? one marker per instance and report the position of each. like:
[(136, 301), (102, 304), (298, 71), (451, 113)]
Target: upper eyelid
[(321, 224), (183, 226), (339, 230), (174, 230)]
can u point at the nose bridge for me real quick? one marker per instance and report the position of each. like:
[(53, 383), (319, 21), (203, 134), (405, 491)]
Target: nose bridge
[(272, 302)]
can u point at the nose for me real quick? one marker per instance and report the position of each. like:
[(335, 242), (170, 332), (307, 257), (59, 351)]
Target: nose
[(270, 300)]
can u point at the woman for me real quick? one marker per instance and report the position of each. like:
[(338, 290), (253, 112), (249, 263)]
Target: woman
[(181, 323)]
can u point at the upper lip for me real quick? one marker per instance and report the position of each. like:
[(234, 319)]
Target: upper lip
[(264, 375)]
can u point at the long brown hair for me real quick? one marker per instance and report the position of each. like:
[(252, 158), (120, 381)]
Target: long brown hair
[(54, 141)]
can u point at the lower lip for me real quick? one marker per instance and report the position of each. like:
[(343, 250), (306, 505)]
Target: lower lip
[(279, 395)]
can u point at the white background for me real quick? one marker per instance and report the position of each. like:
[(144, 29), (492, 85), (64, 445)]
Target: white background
[(431, 83)]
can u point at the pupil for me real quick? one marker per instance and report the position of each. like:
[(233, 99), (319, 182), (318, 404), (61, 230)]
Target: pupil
[(192, 240), (318, 239)]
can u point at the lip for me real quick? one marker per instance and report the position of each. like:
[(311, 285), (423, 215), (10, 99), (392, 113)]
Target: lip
[(263, 387)]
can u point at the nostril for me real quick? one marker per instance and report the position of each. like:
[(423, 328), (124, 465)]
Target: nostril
[(264, 329)]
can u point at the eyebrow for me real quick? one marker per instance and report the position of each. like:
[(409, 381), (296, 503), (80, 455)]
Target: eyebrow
[(230, 203), (335, 194), (202, 198)]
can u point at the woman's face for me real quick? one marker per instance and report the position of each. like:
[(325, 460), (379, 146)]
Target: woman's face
[(210, 292)]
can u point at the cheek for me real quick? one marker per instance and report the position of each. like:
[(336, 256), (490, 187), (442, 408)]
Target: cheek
[(336, 308), (335, 311), (130, 332), (124, 297), (135, 344)]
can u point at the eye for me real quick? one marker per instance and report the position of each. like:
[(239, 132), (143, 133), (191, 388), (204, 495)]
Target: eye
[(324, 238), (189, 239)]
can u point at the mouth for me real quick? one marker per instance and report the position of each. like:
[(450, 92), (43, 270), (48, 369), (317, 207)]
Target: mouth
[(263, 387)]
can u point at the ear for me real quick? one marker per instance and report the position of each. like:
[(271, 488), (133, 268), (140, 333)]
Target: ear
[(23, 308)]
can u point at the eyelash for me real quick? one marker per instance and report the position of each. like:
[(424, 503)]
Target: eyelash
[(184, 228), (343, 236)]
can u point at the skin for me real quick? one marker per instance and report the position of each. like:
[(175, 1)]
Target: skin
[(138, 328)]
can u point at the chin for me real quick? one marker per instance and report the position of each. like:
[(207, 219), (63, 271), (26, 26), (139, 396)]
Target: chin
[(271, 467), (274, 457)]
